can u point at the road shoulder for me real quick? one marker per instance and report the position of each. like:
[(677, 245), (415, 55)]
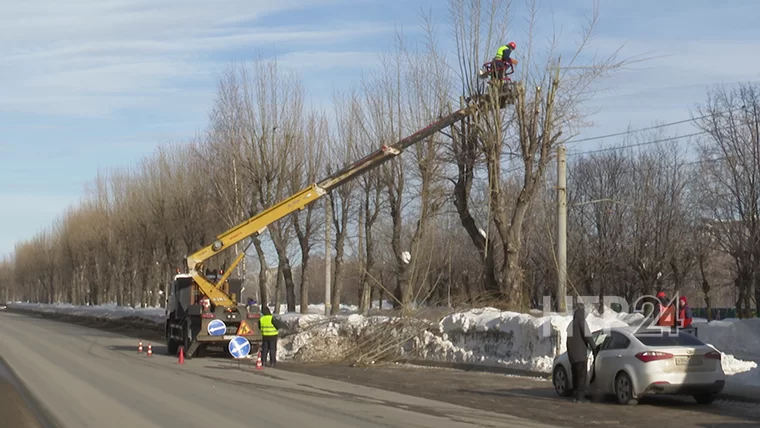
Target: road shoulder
[(18, 407)]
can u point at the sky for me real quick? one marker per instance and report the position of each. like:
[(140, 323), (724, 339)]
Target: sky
[(89, 86)]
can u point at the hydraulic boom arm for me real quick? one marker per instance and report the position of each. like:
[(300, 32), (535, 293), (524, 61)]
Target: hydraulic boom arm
[(259, 223)]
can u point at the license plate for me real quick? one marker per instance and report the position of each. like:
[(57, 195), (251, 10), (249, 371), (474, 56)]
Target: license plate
[(229, 336), (688, 361)]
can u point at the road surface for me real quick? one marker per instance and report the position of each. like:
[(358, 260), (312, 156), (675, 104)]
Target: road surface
[(92, 378), (535, 399)]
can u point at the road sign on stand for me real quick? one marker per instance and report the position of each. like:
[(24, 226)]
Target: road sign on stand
[(239, 347), (216, 328), (244, 329)]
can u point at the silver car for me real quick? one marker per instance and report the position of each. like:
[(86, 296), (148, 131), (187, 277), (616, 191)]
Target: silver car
[(632, 362)]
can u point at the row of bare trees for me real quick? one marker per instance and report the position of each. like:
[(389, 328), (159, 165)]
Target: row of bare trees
[(680, 215), (465, 214)]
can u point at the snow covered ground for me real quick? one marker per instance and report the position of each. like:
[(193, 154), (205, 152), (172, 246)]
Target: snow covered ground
[(481, 336)]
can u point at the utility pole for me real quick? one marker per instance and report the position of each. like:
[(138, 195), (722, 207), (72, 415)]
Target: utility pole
[(328, 255), (561, 227)]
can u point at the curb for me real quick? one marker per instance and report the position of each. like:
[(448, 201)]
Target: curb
[(41, 413), (474, 367)]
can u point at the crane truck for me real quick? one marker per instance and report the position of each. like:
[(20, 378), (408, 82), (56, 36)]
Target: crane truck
[(198, 301)]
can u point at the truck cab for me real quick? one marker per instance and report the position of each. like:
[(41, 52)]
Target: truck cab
[(189, 314)]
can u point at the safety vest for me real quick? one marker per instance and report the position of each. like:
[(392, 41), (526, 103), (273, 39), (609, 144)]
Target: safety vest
[(685, 322), (500, 52), (267, 328), (667, 316)]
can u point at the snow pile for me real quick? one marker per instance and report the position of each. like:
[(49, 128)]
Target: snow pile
[(732, 366), (157, 314), (110, 311), (319, 308), (749, 377), (492, 337), (740, 338), (317, 338)]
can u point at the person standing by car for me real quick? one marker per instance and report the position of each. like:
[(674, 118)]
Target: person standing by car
[(665, 311), (269, 327), (579, 341), (684, 313)]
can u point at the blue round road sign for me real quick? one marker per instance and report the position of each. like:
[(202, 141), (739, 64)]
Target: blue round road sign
[(239, 347), (216, 328)]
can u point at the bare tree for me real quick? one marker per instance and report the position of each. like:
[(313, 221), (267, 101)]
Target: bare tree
[(272, 117), (730, 157), (310, 154), (344, 148), (547, 107)]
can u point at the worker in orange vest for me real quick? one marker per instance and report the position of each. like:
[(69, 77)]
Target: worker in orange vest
[(684, 313), (667, 312)]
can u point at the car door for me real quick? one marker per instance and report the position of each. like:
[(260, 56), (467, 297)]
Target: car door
[(610, 359)]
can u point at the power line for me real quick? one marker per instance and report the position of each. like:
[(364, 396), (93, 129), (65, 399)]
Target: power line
[(645, 143), (633, 131)]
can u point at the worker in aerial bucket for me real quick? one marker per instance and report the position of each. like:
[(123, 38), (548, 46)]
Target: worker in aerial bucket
[(502, 60)]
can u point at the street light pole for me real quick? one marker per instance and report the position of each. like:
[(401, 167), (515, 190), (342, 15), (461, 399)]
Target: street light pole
[(561, 227), (328, 256)]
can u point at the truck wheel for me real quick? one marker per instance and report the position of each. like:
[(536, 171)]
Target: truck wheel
[(171, 345), (186, 338)]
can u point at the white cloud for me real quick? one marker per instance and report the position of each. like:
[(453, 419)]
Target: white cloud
[(326, 60), (92, 59), (667, 86)]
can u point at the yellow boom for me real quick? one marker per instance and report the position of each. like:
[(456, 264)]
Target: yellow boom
[(259, 223)]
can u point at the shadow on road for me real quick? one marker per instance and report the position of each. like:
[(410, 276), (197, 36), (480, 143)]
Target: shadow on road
[(133, 348), (665, 402), (731, 425)]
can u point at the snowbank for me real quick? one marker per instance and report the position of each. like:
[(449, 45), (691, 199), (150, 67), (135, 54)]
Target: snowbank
[(740, 338), (319, 308), (110, 311), (493, 337)]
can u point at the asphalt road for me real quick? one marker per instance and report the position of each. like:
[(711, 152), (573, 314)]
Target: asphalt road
[(91, 378), (535, 399)]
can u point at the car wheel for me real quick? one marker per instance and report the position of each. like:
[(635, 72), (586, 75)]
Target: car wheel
[(706, 398), (624, 390), (561, 383)]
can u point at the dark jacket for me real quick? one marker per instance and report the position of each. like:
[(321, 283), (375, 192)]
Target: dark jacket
[(275, 322), (579, 337)]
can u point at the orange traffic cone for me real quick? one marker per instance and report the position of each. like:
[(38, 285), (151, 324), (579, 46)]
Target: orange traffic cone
[(139, 347), (181, 355), (259, 366), (150, 350)]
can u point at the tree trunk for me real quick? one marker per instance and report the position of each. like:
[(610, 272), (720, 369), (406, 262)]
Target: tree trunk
[(465, 149), (287, 275), (263, 268), (340, 225), (305, 283), (304, 236), (705, 288), (365, 292), (513, 284), (284, 264), (277, 288), (394, 200)]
